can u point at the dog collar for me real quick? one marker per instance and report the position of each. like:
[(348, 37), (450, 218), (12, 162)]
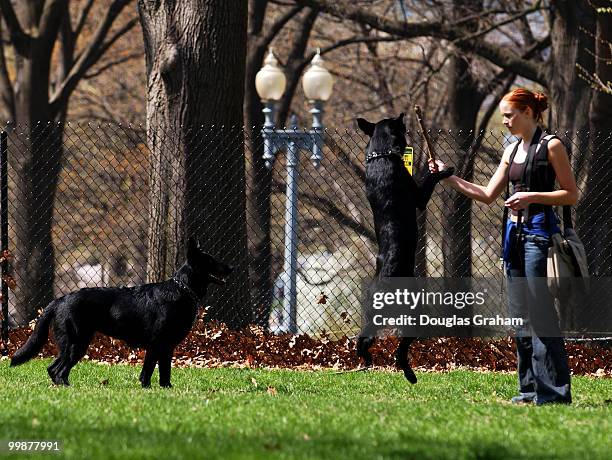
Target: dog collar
[(188, 290), (381, 153)]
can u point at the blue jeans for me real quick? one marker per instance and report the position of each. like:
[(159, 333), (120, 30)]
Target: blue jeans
[(543, 367)]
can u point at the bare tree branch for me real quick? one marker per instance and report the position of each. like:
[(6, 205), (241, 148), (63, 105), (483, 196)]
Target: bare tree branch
[(96, 48), (495, 26), (528, 54), (339, 44), (82, 19), (381, 75), (329, 208), (294, 70), (500, 84), (278, 25), (99, 108), (50, 22), (470, 155), (496, 54), (367, 84), (480, 15), (66, 48), (358, 170), (116, 36), (7, 95), (526, 31), (111, 64), (21, 40)]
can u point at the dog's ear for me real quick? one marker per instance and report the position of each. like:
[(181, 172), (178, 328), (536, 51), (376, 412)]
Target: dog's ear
[(366, 126), (192, 248), (398, 123)]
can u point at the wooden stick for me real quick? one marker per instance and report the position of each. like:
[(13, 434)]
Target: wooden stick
[(419, 116)]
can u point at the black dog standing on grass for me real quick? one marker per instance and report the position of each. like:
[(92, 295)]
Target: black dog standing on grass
[(394, 197), (155, 316)]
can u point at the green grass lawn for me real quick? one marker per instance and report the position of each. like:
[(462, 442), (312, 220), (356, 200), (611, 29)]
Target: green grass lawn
[(231, 413)]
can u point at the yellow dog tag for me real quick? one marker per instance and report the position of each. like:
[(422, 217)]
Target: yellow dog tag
[(408, 155)]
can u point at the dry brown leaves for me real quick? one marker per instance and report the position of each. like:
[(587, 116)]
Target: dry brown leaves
[(214, 345)]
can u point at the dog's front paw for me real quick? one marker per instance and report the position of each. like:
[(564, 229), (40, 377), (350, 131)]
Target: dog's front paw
[(444, 173), (165, 384)]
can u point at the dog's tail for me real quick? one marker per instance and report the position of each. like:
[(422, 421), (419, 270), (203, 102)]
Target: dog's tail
[(38, 338)]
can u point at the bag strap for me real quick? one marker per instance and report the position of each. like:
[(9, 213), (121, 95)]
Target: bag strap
[(505, 215), (531, 154), (567, 217), (526, 176), (526, 179), (567, 209)]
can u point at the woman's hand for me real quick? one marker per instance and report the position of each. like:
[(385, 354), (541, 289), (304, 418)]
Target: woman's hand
[(436, 166), (518, 201)]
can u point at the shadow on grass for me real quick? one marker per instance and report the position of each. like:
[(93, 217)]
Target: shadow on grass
[(227, 442)]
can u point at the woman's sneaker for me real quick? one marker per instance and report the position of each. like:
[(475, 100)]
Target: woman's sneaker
[(524, 398)]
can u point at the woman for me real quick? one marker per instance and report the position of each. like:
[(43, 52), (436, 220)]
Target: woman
[(543, 369)]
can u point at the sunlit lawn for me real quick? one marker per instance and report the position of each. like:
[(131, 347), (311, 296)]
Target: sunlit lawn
[(246, 413)]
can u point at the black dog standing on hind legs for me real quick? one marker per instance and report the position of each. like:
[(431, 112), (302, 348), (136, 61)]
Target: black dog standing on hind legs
[(394, 197), (156, 316)]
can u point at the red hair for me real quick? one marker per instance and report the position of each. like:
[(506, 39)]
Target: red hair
[(522, 98)]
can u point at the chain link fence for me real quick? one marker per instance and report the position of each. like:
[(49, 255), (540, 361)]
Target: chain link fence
[(83, 197)]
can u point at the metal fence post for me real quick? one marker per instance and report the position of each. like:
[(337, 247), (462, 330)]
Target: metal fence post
[(4, 233), (293, 140), (291, 218), (317, 133)]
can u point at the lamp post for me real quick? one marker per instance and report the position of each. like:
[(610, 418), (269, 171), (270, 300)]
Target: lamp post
[(270, 83)]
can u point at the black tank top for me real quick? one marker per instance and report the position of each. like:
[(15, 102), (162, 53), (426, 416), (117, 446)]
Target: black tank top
[(515, 176)]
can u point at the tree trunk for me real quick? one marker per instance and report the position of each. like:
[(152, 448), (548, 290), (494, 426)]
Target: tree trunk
[(464, 102), (570, 94), (259, 186), (295, 67), (42, 38), (259, 178), (35, 152), (195, 55), (597, 197), (35, 155)]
